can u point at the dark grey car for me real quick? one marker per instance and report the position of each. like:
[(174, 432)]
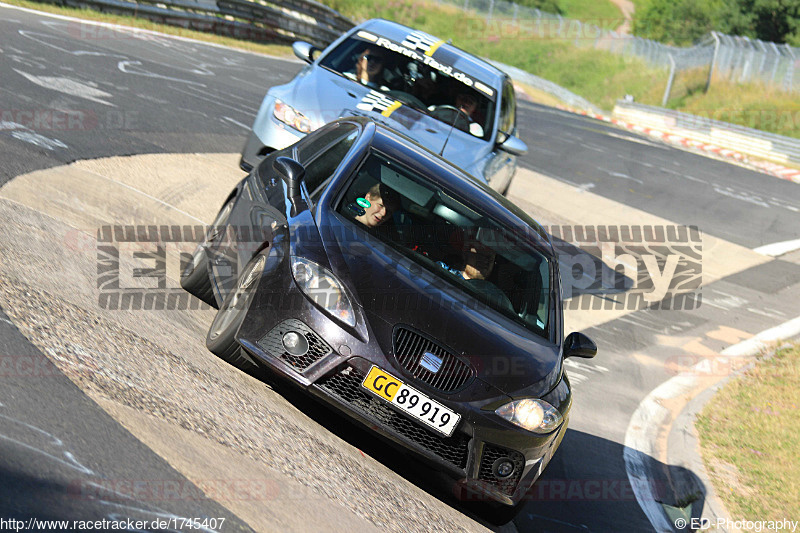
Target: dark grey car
[(403, 292)]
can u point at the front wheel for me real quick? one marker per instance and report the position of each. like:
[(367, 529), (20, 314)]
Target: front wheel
[(221, 337)]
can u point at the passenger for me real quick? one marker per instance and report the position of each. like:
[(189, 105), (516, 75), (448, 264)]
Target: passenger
[(377, 205), (467, 103)]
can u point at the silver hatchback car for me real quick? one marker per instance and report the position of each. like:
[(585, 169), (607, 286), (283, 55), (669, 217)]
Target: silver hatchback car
[(442, 97)]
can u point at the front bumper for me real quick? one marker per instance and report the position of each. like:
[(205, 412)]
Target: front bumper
[(336, 364)]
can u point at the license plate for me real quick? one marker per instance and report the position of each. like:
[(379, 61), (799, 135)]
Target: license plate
[(408, 399)]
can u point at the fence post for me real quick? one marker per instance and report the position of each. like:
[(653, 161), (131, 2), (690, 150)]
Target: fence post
[(790, 70), (713, 60), (489, 15), (669, 81)]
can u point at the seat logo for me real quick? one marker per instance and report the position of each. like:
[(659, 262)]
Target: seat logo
[(430, 362)]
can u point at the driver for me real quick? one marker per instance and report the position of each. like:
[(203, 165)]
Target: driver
[(369, 66)]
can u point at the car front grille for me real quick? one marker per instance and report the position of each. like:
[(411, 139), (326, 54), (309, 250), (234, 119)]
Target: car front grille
[(272, 342), (491, 454), (410, 346), (346, 385)]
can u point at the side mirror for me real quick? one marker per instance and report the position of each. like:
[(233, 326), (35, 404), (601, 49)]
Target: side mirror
[(304, 51), (514, 146), (579, 345), (292, 173)]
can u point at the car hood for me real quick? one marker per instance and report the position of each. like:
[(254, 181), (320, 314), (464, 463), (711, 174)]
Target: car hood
[(392, 290), (323, 96)]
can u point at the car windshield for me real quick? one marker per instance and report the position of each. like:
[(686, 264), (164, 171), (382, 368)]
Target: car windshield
[(494, 264), (417, 80)]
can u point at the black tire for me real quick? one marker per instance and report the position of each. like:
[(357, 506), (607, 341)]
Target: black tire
[(195, 279), (507, 187), (221, 337)]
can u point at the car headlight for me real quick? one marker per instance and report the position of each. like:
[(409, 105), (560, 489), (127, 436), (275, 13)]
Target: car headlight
[(532, 414), (322, 287), (291, 117)]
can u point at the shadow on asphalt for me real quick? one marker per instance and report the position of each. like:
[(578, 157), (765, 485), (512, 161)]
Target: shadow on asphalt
[(585, 487)]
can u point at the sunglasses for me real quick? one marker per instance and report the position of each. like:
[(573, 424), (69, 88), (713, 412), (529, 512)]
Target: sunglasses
[(371, 58)]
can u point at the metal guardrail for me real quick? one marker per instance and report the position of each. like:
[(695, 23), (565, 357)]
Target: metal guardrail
[(742, 139), (281, 21)]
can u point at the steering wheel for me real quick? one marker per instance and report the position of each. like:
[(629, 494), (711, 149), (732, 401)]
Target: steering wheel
[(449, 114), (407, 98)]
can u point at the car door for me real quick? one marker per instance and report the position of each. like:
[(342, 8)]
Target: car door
[(502, 165)]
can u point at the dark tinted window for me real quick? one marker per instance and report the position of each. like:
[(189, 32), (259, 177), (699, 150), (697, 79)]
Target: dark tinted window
[(322, 155), (406, 75), (508, 110), (452, 239)]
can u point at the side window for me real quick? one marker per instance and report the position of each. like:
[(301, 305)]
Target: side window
[(325, 163), (508, 110)]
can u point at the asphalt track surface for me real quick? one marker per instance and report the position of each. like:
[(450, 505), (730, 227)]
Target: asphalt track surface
[(152, 94)]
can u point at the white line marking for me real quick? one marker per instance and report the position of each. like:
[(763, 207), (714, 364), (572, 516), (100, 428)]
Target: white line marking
[(651, 416), (624, 176), (38, 140), (244, 126), (68, 86), (162, 202), (768, 314), (778, 248)]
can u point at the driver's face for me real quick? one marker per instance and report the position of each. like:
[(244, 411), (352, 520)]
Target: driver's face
[(466, 103), (369, 62)]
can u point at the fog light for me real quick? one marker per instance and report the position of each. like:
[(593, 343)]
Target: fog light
[(503, 468), (295, 343)]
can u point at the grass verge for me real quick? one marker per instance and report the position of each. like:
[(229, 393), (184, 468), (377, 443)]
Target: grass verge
[(750, 439)]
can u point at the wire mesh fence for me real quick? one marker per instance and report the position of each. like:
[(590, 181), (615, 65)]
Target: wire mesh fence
[(737, 59)]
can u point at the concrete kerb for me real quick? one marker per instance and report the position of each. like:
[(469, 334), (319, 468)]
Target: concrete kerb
[(657, 417), (669, 136)]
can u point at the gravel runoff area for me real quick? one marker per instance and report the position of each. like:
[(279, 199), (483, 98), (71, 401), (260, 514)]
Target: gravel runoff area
[(156, 363)]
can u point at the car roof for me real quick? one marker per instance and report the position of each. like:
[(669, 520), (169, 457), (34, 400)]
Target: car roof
[(445, 52), (404, 149)]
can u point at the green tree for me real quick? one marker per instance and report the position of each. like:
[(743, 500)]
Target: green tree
[(679, 22), (769, 20)]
